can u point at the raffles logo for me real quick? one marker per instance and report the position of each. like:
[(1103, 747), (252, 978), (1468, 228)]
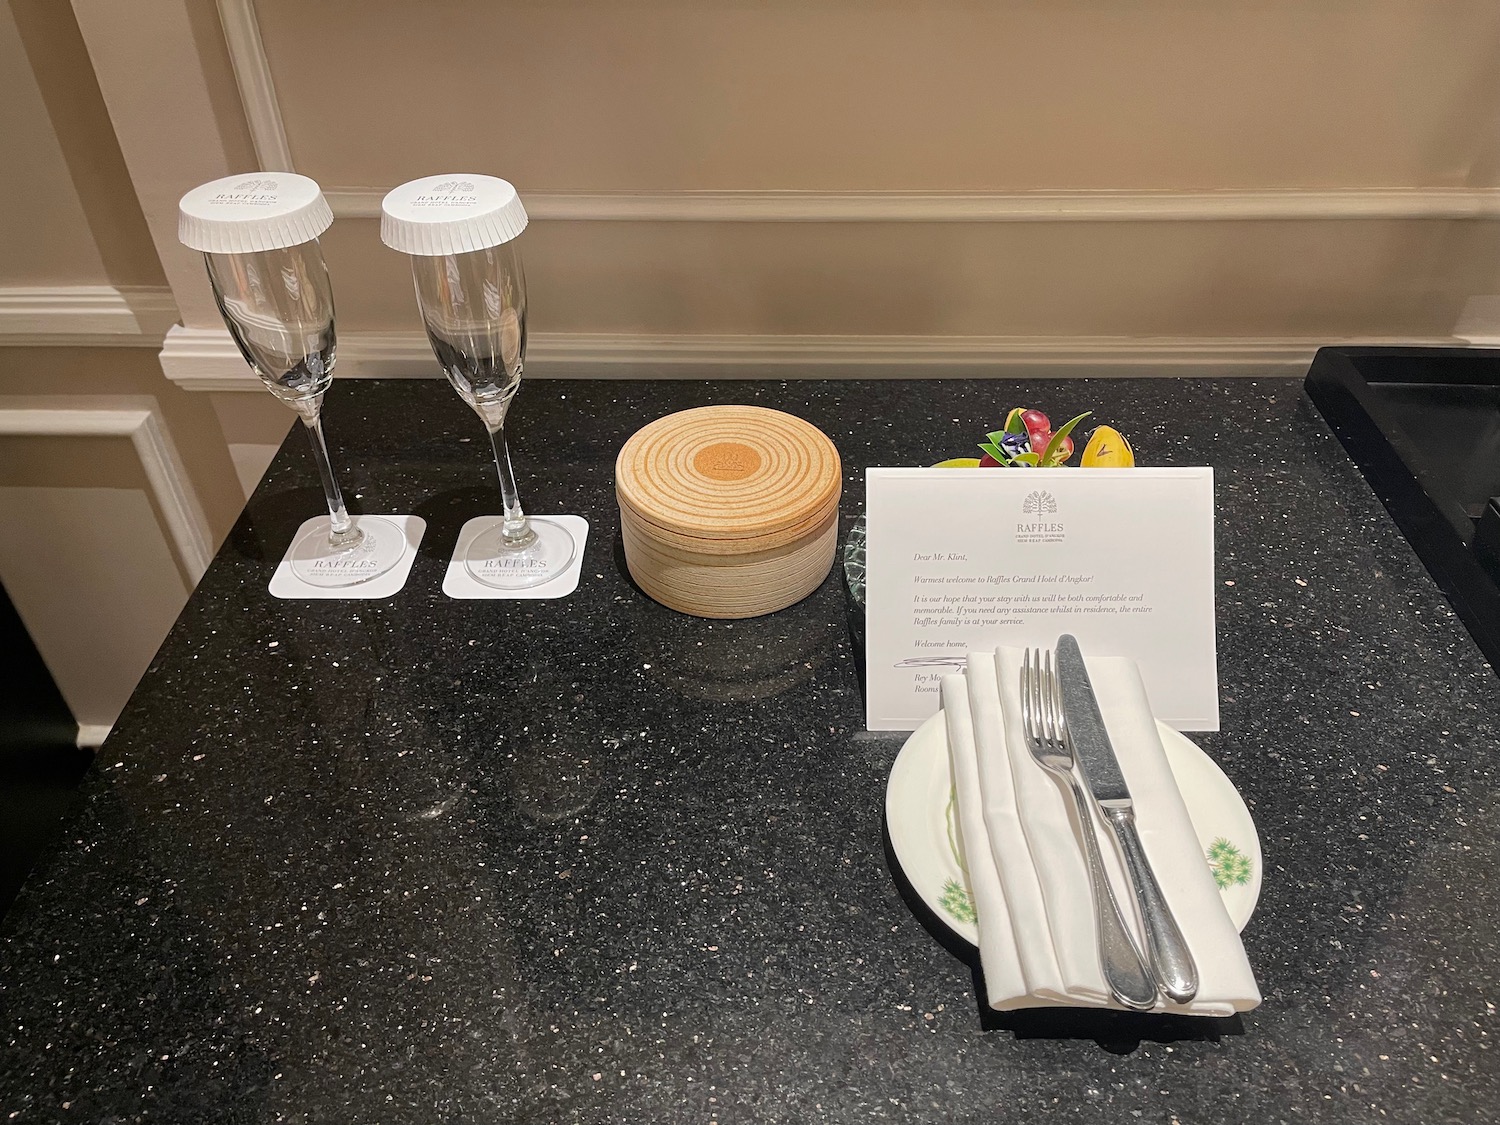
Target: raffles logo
[(254, 193), (449, 193), (506, 565), (1039, 522)]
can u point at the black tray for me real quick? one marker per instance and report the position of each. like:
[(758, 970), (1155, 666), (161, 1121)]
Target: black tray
[(1423, 425)]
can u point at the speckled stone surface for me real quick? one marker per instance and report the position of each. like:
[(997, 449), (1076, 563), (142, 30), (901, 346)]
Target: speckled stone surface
[(423, 860)]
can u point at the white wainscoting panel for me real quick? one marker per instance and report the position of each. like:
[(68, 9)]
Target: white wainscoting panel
[(93, 577), (135, 417), (100, 574), (85, 315)]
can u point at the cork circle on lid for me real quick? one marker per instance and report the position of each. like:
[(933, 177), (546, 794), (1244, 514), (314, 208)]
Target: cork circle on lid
[(730, 473), (727, 460)]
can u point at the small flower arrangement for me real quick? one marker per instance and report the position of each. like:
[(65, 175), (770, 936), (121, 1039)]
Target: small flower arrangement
[(1027, 440)]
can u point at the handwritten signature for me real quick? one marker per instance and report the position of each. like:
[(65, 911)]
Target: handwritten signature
[(958, 660)]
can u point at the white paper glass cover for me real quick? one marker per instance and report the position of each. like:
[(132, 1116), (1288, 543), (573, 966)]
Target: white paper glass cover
[(252, 212), (451, 214)]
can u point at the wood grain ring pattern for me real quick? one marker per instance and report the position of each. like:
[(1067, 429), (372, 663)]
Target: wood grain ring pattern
[(728, 511), (657, 476)]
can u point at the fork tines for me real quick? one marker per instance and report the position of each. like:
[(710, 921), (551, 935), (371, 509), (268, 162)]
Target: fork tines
[(1041, 700)]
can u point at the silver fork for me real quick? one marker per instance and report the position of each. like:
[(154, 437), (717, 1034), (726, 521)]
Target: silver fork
[(1124, 968)]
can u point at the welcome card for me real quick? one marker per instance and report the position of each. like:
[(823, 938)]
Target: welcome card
[(961, 560)]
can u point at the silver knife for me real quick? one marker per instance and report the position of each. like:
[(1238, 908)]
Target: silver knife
[(1171, 962)]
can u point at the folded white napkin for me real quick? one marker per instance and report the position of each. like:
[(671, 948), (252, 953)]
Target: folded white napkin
[(1026, 867)]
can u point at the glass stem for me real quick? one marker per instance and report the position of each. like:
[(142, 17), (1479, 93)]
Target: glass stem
[(516, 530), (341, 530)]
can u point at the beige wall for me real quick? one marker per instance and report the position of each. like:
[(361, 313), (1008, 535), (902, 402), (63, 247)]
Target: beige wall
[(96, 555), (672, 96), (738, 187), (892, 94), (72, 212), (52, 244), (1315, 280)]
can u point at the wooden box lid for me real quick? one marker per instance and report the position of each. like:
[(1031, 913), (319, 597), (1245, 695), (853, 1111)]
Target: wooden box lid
[(729, 479)]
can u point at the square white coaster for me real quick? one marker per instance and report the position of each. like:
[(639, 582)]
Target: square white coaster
[(285, 584), (459, 583)]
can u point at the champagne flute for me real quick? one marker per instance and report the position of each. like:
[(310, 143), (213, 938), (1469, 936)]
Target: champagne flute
[(259, 239), (471, 289)]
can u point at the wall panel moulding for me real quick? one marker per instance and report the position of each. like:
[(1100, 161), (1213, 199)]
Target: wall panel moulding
[(85, 316), (199, 359), (138, 418), (980, 207)]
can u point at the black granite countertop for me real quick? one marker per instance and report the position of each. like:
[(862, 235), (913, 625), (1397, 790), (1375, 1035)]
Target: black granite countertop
[(587, 860)]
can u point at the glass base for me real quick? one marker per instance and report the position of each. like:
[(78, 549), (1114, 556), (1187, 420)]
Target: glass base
[(489, 560), (318, 563)]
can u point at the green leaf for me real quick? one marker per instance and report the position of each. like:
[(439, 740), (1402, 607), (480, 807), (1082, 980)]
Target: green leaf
[(1230, 866), (1050, 452), (1025, 459), (1221, 849), (993, 450), (1013, 423), (958, 902)]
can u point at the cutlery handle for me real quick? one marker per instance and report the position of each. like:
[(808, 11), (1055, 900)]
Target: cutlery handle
[(1170, 959), (1124, 970)]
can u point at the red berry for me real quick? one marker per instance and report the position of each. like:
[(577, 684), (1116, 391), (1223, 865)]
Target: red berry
[(1064, 450), (986, 461), (1034, 421)]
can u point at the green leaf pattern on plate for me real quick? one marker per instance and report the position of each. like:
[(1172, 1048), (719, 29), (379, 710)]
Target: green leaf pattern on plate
[(956, 899), (958, 902), (951, 816), (1231, 867)]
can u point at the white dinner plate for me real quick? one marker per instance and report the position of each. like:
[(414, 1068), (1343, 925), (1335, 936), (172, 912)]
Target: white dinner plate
[(920, 813)]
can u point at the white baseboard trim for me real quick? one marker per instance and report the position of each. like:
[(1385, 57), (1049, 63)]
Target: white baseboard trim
[(85, 315), (199, 359), (138, 418), (774, 206), (206, 359), (91, 736)]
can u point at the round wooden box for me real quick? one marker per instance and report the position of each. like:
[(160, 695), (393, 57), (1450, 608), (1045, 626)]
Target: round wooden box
[(728, 511)]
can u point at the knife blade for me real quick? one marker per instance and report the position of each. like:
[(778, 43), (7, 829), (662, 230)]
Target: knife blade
[(1171, 961)]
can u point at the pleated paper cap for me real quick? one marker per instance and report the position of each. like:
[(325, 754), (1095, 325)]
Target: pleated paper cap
[(250, 212), (450, 214)]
